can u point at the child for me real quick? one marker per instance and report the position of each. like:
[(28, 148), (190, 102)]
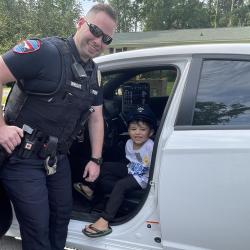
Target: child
[(133, 176)]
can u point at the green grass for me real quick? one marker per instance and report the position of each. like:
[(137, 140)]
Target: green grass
[(169, 87), (5, 94)]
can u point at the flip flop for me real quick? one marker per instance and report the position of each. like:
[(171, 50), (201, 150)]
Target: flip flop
[(97, 233), (78, 187)]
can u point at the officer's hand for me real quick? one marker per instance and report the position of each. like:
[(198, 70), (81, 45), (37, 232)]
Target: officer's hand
[(10, 137), (91, 172)]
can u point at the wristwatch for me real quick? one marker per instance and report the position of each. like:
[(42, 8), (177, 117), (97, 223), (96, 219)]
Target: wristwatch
[(98, 161)]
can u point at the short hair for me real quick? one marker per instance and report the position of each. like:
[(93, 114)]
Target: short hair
[(138, 120), (106, 8)]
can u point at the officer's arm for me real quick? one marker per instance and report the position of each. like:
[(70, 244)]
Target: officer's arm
[(5, 77), (1, 113), (9, 135), (96, 135), (96, 131), (5, 74)]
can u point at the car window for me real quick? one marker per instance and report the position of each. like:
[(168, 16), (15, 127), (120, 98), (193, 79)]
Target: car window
[(160, 82), (134, 87), (223, 96)]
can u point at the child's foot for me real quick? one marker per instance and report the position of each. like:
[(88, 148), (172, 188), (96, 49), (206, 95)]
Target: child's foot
[(100, 224), (99, 228), (84, 190)]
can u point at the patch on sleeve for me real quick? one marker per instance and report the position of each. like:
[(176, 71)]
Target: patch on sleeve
[(27, 46)]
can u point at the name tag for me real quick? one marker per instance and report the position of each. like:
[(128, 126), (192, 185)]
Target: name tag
[(76, 85)]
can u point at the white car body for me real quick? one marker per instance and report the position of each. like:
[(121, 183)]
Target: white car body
[(198, 195)]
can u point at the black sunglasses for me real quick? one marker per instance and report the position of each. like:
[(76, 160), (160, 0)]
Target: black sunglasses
[(97, 32)]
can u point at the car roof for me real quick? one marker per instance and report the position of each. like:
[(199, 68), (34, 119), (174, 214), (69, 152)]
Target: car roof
[(229, 49)]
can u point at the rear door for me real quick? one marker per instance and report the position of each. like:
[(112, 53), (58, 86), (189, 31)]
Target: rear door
[(205, 181)]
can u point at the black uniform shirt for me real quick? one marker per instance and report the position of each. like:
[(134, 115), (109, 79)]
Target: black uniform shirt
[(44, 64)]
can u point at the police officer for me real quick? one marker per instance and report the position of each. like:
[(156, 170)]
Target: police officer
[(57, 88)]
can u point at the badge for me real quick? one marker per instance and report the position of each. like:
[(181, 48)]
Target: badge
[(27, 46), (140, 109), (94, 92), (99, 77)]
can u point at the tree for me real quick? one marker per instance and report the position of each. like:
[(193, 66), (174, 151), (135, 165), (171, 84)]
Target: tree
[(20, 19), (14, 18), (177, 14), (123, 9), (212, 113), (56, 17), (136, 14), (228, 13)]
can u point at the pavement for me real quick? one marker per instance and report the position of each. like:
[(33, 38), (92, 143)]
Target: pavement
[(10, 243)]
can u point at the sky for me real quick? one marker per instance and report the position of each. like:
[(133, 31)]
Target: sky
[(86, 4)]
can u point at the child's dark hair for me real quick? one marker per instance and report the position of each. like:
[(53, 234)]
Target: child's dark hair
[(137, 121)]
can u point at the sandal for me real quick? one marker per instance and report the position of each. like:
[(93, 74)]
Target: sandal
[(79, 187), (97, 233)]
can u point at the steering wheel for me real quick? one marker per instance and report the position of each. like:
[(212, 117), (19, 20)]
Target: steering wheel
[(114, 123)]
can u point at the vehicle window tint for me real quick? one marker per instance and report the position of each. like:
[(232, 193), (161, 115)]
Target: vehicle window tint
[(109, 77), (131, 87), (160, 81), (223, 96)]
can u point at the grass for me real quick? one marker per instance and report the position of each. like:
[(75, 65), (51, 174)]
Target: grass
[(5, 94)]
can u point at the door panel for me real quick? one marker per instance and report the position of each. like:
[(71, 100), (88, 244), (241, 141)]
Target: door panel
[(205, 187)]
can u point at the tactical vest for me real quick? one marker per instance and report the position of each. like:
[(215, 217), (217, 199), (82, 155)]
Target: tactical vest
[(54, 111)]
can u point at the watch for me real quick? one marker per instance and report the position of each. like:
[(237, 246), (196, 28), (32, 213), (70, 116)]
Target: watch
[(98, 161)]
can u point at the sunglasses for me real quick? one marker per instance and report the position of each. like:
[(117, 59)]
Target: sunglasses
[(97, 32)]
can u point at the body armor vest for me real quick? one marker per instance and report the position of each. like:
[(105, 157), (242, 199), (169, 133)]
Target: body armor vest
[(55, 111)]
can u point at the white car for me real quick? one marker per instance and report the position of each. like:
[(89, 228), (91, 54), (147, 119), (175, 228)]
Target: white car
[(198, 193)]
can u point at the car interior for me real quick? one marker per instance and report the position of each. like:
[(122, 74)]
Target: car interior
[(123, 90)]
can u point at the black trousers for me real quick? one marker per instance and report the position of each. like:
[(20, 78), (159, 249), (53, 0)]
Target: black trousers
[(42, 203), (114, 179)]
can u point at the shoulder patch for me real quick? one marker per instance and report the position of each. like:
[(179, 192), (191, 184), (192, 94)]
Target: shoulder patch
[(27, 46)]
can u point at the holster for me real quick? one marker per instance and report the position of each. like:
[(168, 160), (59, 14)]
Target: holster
[(29, 144), (80, 129)]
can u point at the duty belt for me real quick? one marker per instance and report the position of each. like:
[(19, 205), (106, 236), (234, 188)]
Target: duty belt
[(45, 147)]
